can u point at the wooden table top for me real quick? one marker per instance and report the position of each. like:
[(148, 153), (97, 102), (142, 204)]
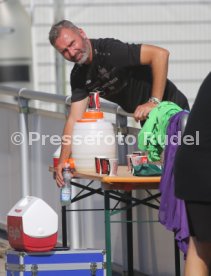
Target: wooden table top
[(123, 181)]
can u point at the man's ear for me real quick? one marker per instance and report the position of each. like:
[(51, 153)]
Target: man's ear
[(82, 33)]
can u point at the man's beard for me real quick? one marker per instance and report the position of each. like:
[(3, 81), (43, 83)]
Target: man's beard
[(85, 53)]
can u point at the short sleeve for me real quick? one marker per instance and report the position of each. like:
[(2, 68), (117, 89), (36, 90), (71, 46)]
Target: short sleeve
[(78, 95)]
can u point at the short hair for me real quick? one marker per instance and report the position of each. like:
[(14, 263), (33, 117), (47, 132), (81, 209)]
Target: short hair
[(56, 29)]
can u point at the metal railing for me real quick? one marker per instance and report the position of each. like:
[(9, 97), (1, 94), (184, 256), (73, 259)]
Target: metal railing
[(28, 94), (23, 96)]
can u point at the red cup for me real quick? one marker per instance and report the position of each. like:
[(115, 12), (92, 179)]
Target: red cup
[(55, 162)]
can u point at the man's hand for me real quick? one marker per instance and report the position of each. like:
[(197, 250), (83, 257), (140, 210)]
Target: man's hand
[(59, 177), (143, 110)]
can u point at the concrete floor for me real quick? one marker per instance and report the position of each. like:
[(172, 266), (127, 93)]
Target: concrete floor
[(2, 271)]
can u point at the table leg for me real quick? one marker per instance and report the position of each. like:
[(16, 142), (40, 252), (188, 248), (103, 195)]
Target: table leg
[(107, 233), (130, 239), (64, 227)]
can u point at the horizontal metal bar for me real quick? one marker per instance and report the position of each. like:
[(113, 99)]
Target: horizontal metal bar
[(9, 91), (53, 267), (98, 191), (54, 98), (83, 210), (77, 198), (41, 96)]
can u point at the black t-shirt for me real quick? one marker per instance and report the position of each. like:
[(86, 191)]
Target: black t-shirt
[(116, 72)]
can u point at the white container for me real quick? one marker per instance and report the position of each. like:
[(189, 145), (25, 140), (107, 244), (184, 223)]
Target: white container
[(91, 138)]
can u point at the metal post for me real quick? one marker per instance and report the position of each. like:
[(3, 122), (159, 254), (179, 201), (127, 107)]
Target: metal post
[(64, 226), (74, 229), (129, 238), (73, 222), (23, 120), (107, 233), (121, 123)]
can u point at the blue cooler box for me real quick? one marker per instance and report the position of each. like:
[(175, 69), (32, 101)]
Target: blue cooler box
[(82, 262)]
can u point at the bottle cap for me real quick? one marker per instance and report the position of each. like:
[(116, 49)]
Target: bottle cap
[(70, 162)]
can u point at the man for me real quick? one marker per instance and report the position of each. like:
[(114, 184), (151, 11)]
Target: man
[(131, 75)]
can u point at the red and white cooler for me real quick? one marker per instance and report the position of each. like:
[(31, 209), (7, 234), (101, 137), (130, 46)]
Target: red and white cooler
[(32, 225)]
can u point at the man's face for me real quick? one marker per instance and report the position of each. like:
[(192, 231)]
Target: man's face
[(73, 45)]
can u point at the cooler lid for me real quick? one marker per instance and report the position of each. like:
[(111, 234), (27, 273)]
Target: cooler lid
[(38, 218)]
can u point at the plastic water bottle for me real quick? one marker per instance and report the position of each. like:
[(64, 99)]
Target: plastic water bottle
[(66, 190)]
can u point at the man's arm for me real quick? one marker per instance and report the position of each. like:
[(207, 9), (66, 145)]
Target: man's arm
[(157, 58), (76, 112)]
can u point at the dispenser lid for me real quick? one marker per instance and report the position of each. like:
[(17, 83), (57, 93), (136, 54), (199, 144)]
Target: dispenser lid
[(93, 115)]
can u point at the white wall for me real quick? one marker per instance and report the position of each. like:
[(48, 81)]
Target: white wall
[(183, 27)]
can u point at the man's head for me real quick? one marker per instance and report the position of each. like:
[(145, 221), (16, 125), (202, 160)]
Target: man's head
[(70, 41)]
